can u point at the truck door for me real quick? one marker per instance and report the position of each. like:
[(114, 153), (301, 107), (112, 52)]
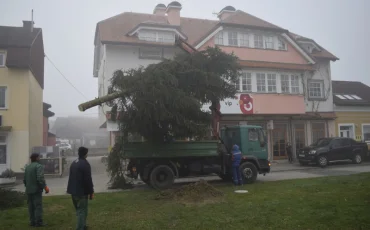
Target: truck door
[(337, 150), (253, 145)]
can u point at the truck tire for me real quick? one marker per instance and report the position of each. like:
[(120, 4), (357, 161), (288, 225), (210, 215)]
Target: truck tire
[(249, 172), (162, 177)]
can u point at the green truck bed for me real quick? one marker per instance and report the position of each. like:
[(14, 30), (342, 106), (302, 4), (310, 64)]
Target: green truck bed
[(169, 150)]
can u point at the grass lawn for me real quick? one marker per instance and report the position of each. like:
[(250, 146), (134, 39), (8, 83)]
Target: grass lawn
[(320, 203)]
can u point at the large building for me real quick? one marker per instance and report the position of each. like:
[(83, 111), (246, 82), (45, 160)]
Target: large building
[(285, 85), (21, 94)]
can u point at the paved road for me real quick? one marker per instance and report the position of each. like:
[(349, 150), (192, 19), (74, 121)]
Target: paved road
[(279, 172)]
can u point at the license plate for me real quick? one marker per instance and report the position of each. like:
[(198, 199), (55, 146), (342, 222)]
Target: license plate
[(302, 155)]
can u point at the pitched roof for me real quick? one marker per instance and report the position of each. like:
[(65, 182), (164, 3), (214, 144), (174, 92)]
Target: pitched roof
[(17, 36), (356, 88), (323, 53), (115, 29)]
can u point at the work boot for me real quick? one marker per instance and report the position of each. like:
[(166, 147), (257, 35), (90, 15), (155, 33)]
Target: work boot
[(39, 225), (32, 224), (86, 227)]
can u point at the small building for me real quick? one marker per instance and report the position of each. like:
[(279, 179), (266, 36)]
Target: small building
[(352, 108), (21, 94)]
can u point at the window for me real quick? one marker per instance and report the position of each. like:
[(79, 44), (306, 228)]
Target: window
[(271, 83), (2, 59), (154, 36), (258, 41), (294, 83), (150, 53), (318, 131), (253, 134), (219, 39), (356, 97), (244, 39), (3, 90), (315, 89), (281, 45), (366, 132), (246, 82), (237, 84), (233, 38), (269, 42), (3, 154), (340, 97), (285, 83), (348, 97), (261, 82)]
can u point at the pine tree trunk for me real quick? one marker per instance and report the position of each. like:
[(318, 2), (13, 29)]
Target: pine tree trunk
[(98, 101)]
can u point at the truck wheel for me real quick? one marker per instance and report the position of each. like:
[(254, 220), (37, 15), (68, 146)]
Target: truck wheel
[(162, 177), (357, 159), (249, 172)]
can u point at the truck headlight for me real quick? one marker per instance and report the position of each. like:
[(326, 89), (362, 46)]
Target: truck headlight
[(312, 152)]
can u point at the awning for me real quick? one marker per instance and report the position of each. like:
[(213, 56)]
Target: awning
[(5, 128)]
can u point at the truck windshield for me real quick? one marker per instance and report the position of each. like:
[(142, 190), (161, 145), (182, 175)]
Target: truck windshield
[(321, 142)]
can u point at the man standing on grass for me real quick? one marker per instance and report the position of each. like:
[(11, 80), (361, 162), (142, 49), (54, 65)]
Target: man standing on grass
[(35, 183), (80, 186), (236, 158)]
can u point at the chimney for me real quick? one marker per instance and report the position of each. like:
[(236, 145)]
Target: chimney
[(173, 13), (160, 9), (226, 12), (28, 25)]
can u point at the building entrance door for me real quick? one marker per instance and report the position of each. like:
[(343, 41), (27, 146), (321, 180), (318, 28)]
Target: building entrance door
[(279, 140)]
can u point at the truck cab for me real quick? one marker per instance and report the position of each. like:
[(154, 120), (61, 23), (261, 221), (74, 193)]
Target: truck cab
[(252, 142)]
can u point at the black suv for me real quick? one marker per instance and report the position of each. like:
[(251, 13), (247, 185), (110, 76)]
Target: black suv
[(325, 150)]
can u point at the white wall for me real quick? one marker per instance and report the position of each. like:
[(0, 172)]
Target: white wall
[(122, 57), (322, 72)]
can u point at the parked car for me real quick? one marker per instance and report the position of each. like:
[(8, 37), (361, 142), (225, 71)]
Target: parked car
[(65, 146), (326, 150)]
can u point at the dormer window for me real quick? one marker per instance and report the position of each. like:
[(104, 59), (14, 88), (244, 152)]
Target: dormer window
[(281, 44), (2, 59), (157, 36)]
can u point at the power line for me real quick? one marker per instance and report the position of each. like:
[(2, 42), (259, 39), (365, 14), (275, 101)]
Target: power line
[(66, 78)]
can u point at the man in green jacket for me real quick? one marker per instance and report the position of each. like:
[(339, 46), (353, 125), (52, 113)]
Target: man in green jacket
[(35, 183)]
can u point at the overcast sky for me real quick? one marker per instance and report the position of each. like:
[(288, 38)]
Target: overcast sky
[(341, 26)]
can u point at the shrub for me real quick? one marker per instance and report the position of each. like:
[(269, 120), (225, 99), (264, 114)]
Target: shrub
[(7, 174), (11, 199)]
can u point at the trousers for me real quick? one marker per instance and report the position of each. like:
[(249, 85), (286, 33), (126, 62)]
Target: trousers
[(34, 202), (80, 204), (237, 177)]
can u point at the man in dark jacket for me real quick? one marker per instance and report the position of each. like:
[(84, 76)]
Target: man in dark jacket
[(80, 186), (35, 183)]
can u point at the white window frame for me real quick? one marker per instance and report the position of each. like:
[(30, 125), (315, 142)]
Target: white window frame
[(2, 64), (6, 96), (244, 39), (268, 81), (348, 124), (248, 77), (156, 36), (363, 133), (321, 82), (257, 42), (219, 38), (282, 45), (291, 84), (285, 80), (264, 82), (269, 40), (151, 57), (231, 38), (6, 149)]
